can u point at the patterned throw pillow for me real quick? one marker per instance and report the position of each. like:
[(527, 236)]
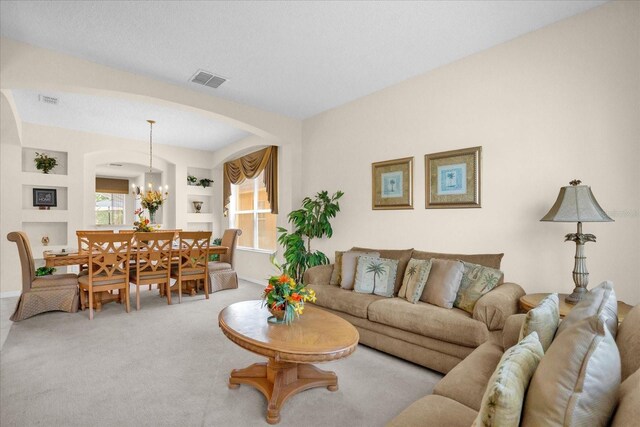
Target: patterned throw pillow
[(477, 280), (349, 263), (544, 320), (414, 280), (336, 274), (504, 396), (376, 275)]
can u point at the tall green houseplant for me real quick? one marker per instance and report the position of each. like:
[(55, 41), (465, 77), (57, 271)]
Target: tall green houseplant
[(309, 222)]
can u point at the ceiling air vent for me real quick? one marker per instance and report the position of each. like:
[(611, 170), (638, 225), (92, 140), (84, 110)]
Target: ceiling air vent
[(207, 78), (48, 99)]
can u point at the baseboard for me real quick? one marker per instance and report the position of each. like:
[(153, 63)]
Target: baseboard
[(10, 294), (252, 280)]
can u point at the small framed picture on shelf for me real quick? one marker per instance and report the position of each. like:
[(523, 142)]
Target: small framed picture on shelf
[(392, 184), (45, 198), (452, 179)]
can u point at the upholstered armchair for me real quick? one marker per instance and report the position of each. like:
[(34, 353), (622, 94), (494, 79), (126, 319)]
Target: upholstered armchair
[(58, 292), (222, 273)]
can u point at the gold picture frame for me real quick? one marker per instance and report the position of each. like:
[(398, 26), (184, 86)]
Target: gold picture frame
[(452, 179), (392, 184)]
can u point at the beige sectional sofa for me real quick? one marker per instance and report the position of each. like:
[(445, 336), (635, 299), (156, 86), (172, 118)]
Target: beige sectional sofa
[(456, 399), (431, 336)]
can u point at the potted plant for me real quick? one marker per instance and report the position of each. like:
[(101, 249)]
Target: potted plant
[(192, 180), (206, 182), (45, 271), (309, 222), (44, 162), (285, 298)]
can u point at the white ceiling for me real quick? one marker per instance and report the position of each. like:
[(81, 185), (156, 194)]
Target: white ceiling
[(125, 119), (293, 58)]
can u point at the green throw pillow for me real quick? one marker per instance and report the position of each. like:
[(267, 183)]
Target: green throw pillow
[(415, 279), (544, 320), (504, 396), (375, 275), (477, 280)]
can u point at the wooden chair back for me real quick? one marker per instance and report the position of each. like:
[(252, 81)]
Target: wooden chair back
[(153, 253), (194, 251), (175, 231), (109, 255), (83, 238)]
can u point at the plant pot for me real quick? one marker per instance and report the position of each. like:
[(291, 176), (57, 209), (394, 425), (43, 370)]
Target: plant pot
[(277, 316), (197, 205)]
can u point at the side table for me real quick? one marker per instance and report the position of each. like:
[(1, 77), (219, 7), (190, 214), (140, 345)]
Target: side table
[(530, 301)]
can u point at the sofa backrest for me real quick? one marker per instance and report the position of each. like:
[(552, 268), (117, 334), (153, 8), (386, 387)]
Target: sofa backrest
[(628, 341)]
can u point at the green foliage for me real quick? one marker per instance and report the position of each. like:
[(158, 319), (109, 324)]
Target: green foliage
[(205, 182), (309, 222), (45, 271), (44, 162), (191, 179), (215, 242)]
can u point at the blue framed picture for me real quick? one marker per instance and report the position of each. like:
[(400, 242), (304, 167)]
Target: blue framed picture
[(392, 184), (452, 179)]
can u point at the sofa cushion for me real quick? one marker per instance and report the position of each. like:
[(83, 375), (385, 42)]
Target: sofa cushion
[(543, 320), (415, 277), (349, 263), (402, 255), (577, 379), (504, 396), (375, 276), (336, 274), (488, 260), (218, 266), (339, 299), (477, 280), (434, 411), (450, 325), (628, 340), (443, 283), (601, 300), (628, 411), (466, 383)]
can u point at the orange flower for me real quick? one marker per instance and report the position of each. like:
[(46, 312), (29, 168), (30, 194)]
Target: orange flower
[(296, 297), (283, 279), (275, 307)]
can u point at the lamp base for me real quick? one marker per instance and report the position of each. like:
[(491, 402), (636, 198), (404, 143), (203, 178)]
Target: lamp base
[(576, 296)]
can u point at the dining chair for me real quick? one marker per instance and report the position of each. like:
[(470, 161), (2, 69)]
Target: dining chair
[(153, 262), (83, 245), (109, 255), (193, 251), (222, 273), (56, 292)]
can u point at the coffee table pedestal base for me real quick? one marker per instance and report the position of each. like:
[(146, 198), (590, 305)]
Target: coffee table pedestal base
[(278, 381)]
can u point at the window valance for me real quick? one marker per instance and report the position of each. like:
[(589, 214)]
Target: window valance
[(112, 185), (250, 166)]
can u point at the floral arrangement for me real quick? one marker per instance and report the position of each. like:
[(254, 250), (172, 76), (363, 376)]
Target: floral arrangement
[(142, 225), (44, 162), (152, 200), (285, 298)]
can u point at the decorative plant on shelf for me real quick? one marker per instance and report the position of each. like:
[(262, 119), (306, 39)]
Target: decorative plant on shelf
[(192, 180), (309, 222), (142, 225), (45, 271), (206, 182), (44, 162), (284, 297)]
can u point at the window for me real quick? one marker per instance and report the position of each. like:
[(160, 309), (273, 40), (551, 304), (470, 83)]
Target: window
[(249, 211), (109, 208)]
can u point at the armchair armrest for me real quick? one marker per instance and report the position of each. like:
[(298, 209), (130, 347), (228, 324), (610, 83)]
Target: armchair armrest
[(511, 330), (494, 307), (318, 275)]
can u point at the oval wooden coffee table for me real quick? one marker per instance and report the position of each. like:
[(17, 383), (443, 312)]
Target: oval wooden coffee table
[(316, 336)]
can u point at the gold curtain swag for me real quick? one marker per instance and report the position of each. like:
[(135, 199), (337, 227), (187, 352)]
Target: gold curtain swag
[(248, 167)]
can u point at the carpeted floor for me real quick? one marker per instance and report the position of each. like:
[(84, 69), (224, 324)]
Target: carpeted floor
[(168, 365)]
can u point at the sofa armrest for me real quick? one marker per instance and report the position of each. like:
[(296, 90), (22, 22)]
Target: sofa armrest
[(511, 330), (494, 307), (318, 275)]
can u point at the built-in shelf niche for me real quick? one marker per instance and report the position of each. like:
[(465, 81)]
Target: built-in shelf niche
[(199, 226), (56, 231), (61, 196), (199, 173), (207, 206), (29, 165)]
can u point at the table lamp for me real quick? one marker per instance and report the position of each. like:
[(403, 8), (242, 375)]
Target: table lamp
[(576, 203)]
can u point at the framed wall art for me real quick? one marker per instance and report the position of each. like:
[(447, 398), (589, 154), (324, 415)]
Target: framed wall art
[(392, 184), (45, 197), (452, 179)]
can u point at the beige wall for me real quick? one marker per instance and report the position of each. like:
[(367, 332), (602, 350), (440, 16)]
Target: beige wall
[(554, 105)]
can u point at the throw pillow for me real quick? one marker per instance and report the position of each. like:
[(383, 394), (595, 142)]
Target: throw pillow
[(544, 320), (412, 275), (443, 283), (577, 379), (477, 280), (415, 278), (601, 300), (375, 275), (628, 410), (504, 396), (349, 261), (336, 274)]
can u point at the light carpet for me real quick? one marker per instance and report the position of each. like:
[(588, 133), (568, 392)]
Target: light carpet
[(168, 366)]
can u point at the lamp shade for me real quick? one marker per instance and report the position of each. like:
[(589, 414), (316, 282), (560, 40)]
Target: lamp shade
[(576, 203)]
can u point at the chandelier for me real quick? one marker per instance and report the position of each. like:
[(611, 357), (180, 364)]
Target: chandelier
[(151, 199)]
